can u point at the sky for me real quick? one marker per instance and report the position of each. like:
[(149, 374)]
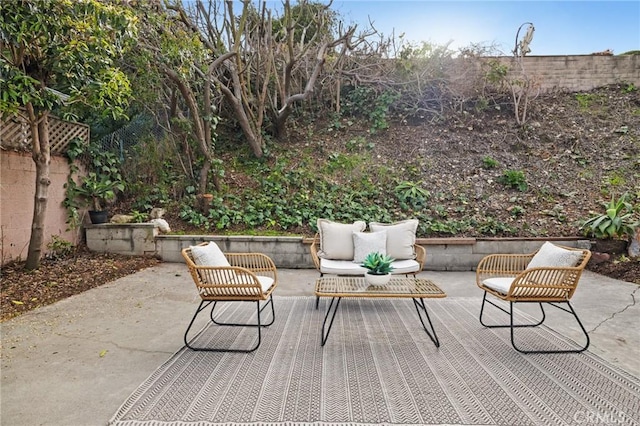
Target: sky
[(561, 27)]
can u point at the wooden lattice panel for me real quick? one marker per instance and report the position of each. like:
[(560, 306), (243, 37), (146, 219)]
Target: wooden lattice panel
[(15, 133), (62, 132)]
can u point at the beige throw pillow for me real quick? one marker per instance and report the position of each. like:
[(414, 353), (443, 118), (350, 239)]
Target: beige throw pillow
[(368, 242), (401, 236), (336, 239), (552, 256), (208, 255)]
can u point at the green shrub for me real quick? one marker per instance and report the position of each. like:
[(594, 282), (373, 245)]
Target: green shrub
[(489, 163), (514, 179), (616, 222), (59, 248)]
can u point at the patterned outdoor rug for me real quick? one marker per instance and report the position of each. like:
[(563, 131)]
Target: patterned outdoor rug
[(379, 367)]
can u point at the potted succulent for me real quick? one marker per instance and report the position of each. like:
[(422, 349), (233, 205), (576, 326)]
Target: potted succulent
[(97, 191), (613, 228), (379, 268)]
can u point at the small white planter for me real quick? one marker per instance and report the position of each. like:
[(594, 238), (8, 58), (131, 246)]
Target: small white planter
[(377, 280)]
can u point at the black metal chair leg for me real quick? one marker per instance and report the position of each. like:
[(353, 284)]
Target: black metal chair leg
[(273, 316), (204, 304), (485, 300), (551, 351)]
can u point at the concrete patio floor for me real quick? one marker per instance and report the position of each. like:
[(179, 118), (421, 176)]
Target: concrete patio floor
[(74, 362)]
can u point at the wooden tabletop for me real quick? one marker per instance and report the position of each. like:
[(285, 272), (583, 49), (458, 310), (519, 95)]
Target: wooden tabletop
[(358, 287)]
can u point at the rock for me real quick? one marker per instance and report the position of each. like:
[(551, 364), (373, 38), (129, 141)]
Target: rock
[(610, 245), (162, 225), (157, 213), (634, 245), (597, 257), (122, 218)]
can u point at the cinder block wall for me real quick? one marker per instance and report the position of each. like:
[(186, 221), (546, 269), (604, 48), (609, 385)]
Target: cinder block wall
[(580, 72), (129, 239), (443, 254)]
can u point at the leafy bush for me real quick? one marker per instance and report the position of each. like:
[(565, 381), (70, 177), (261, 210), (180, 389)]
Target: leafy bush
[(489, 163), (412, 193), (368, 102), (99, 187), (616, 222), (514, 179), (59, 248)]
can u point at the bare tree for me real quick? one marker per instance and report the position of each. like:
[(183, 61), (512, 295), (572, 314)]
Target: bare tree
[(185, 63), (262, 74)]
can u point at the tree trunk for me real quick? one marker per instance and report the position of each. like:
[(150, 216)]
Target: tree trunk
[(41, 153), (198, 126), (280, 127), (253, 138)]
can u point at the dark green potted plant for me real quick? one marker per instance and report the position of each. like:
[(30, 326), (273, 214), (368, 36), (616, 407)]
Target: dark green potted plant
[(97, 191), (378, 268), (613, 228)]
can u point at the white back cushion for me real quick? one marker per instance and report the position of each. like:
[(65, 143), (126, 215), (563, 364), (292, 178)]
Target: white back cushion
[(336, 239), (552, 256), (208, 255), (401, 236)]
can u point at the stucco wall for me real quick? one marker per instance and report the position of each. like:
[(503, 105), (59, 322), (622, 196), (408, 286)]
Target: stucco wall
[(17, 189)]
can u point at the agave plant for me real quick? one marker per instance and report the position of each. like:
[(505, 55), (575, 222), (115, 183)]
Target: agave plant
[(378, 263), (616, 222)]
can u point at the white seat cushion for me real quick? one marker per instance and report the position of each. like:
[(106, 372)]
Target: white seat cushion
[(345, 267), (405, 266), (552, 256), (341, 267), (499, 284), (265, 282)]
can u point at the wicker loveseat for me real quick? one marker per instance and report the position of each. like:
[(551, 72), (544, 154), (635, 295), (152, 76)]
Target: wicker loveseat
[(339, 248)]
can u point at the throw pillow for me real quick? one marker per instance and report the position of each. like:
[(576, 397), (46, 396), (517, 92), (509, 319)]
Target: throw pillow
[(401, 236), (208, 255), (336, 240), (551, 256), (368, 242)]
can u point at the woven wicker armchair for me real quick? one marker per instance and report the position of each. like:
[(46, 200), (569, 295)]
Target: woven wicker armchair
[(508, 277), (249, 277)]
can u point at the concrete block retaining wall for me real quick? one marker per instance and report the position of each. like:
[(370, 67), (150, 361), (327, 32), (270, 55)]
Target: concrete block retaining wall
[(130, 239), (443, 254)]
